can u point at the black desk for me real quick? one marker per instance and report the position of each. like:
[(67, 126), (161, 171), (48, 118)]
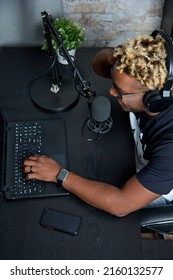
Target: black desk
[(110, 159)]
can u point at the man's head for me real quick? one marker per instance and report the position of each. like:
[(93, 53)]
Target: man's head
[(140, 66), (144, 58)]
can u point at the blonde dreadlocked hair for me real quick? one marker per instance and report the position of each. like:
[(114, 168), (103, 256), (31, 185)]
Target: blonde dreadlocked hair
[(145, 59)]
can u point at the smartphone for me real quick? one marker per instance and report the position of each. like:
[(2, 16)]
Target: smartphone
[(59, 220)]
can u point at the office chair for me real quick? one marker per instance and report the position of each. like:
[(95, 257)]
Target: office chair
[(157, 219)]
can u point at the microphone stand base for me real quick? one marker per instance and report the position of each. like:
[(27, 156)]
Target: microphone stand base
[(44, 98)]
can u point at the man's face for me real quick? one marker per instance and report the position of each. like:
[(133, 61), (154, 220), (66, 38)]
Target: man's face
[(128, 91)]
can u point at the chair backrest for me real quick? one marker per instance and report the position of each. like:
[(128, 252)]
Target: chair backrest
[(157, 219)]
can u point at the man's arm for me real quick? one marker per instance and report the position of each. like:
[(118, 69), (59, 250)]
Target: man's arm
[(119, 202)]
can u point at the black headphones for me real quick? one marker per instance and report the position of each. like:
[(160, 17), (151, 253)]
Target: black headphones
[(160, 100)]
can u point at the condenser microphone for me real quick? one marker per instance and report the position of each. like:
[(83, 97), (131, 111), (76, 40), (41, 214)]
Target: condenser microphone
[(99, 120)]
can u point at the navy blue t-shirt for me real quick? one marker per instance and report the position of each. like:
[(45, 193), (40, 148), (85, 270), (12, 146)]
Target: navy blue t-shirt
[(157, 142)]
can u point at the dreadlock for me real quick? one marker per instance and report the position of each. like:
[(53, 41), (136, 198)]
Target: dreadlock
[(145, 59)]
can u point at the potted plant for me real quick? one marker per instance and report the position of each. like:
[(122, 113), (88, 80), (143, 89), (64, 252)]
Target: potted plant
[(71, 33)]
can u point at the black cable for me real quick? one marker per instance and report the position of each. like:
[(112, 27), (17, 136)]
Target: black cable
[(42, 74), (32, 81)]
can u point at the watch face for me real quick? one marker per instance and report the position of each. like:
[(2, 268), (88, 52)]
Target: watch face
[(63, 175)]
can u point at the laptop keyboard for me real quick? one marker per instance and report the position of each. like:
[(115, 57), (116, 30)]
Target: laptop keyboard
[(28, 141)]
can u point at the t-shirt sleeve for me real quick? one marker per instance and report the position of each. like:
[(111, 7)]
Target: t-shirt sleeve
[(157, 175)]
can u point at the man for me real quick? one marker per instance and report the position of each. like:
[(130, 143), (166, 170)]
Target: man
[(135, 68)]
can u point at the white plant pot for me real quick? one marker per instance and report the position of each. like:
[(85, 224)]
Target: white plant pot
[(62, 59)]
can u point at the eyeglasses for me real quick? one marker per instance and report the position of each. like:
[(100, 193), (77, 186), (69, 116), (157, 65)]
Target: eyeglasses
[(123, 94)]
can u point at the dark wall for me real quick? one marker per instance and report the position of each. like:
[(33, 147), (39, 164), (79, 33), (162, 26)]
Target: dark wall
[(21, 22), (167, 19)]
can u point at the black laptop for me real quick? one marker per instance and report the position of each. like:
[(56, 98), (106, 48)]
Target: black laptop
[(18, 140)]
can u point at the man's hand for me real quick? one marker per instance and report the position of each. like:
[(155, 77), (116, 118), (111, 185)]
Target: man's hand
[(42, 168)]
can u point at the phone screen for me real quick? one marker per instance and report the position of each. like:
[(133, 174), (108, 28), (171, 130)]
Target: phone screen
[(59, 220)]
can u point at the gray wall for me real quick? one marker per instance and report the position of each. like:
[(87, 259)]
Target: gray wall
[(21, 21)]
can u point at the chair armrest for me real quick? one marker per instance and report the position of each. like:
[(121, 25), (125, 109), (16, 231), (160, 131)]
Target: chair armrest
[(157, 219)]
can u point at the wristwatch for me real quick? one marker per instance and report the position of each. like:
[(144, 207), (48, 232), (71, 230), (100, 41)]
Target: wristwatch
[(63, 174)]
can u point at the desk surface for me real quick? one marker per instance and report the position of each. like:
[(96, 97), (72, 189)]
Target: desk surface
[(110, 159)]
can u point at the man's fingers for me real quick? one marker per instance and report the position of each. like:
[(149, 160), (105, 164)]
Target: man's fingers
[(29, 162), (28, 169), (31, 176)]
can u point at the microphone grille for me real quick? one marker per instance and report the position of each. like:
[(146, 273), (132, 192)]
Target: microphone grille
[(100, 109)]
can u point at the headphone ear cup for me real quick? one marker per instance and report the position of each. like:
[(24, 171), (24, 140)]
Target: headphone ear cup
[(151, 97), (154, 101)]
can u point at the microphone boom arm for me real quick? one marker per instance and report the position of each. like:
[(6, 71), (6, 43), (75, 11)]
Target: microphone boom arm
[(57, 76), (84, 85)]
